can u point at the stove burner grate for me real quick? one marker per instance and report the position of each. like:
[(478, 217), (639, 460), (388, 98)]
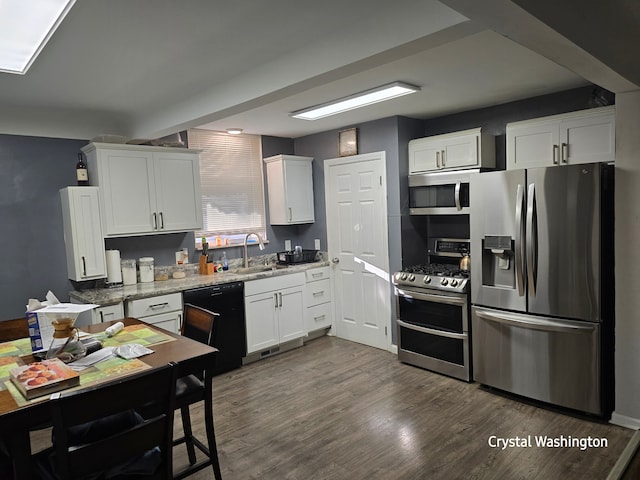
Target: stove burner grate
[(438, 269)]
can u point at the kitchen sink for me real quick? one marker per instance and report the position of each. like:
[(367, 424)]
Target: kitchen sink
[(252, 269)]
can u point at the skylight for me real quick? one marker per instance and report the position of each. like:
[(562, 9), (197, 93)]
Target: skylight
[(25, 28)]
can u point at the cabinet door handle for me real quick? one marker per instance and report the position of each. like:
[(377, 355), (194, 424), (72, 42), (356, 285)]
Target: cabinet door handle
[(84, 266), (155, 221), (161, 221), (565, 153), (280, 295), (555, 154), (318, 294), (443, 159), (319, 317), (275, 299), (290, 214), (438, 159)]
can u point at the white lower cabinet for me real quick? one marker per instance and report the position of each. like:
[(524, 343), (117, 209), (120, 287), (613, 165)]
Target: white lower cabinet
[(108, 313), (318, 307), (104, 313), (274, 311), (163, 311)]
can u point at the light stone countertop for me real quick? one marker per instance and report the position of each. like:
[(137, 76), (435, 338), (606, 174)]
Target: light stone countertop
[(111, 296)]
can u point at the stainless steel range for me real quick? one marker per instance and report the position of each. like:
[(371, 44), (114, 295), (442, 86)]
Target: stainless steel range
[(433, 311)]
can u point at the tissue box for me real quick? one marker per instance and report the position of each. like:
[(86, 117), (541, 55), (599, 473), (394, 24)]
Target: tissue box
[(40, 326)]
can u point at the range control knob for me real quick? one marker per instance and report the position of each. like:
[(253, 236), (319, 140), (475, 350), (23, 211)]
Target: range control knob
[(403, 276), (454, 283), (444, 282), (427, 279), (412, 277)]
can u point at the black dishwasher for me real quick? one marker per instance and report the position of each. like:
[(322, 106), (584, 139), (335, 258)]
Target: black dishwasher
[(229, 330)]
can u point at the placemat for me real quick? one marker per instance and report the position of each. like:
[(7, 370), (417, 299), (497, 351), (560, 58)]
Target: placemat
[(141, 334)]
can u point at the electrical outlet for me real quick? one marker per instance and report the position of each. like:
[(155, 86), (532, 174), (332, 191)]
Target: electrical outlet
[(287, 245), (317, 244)]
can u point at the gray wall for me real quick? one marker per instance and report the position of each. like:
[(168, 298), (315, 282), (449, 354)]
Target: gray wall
[(627, 234), (32, 171)]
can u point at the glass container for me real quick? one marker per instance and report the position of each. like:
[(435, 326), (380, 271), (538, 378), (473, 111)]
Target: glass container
[(128, 271), (145, 264), (66, 344)]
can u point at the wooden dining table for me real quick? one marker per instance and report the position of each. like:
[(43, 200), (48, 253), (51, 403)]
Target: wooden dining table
[(18, 417)]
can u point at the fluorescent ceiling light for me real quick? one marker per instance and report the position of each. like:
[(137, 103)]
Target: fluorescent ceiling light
[(234, 131), (368, 97), (25, 28)]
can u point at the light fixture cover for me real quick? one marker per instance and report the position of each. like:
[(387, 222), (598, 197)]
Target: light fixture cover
[(234, 131), (368, 97), (25, 28)]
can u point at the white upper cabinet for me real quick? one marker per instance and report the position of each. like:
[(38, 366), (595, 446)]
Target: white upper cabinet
[(290, 189), (146, 190), (84, 243), (452, 151), (587, 136)]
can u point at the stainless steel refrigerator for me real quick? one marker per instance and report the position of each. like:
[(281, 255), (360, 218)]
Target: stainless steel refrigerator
[(542, 289)]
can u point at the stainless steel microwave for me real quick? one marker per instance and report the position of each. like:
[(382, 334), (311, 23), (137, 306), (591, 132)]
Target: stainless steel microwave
[(440, 193)]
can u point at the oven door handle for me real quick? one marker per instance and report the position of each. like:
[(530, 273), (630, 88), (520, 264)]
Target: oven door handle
[(438, 298), (432, 331)]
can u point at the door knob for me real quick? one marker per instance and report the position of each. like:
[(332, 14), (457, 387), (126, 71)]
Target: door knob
[(335, 260)]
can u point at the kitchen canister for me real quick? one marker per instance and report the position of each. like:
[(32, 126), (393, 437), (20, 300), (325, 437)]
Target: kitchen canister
[(128, 267), (146, 269)]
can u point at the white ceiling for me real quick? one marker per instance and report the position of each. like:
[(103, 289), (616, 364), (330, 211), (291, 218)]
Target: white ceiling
[(149, 68)]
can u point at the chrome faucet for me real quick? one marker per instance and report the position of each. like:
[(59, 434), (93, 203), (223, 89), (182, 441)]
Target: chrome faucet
[(246, 257)]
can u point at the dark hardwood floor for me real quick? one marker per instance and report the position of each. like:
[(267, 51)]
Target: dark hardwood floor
[(337, 410)]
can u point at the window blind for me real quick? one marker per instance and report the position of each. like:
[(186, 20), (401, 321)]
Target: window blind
[(232, 182)]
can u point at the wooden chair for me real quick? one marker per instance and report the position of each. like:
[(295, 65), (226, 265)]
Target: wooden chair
[(13, 329), (99, 430), (197, 324)]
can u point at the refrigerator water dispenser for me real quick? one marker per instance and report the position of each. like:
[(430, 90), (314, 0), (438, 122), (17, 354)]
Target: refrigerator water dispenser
[(497, 264)]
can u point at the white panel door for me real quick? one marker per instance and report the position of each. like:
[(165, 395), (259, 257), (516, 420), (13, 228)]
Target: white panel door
[(356, 204)]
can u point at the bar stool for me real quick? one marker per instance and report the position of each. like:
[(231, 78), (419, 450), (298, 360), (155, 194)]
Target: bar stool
[(197, 324)]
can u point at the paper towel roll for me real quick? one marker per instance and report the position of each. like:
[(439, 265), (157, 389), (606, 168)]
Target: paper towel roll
[(114, 275)]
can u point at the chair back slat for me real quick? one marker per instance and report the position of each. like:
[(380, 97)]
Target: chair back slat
[(78, 455)]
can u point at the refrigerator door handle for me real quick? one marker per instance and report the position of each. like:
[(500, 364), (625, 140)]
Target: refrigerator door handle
[(519, 247), (534, 324), (532, 240), (457, 196)]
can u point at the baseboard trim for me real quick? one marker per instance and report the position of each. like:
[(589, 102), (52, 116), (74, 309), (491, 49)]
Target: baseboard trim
[(624, 421)]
